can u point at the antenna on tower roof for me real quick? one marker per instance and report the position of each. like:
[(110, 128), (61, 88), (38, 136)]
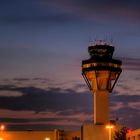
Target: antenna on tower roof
[(111, 41), (104, 41), (91, 42)]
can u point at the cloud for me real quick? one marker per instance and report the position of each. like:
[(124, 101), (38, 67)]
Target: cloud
[(58, 107), (40, 100), (10, 94), (126, 108), (38, 121), (22, 79), (46, 116), (43, 105), (41, 83), (55, 119), (100, 9), (47, 120), (135, 105), (29, 127), (116, 106), (35, 13), (65, 11), (128, 117), (131, 64), (124, 100), (52, 19)]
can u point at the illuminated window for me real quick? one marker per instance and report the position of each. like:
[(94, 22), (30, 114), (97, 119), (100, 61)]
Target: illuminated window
[(47, 138)]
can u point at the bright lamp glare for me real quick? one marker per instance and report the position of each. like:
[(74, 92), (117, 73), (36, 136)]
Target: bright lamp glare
[(47, 138), (109, 126), (2, 127)]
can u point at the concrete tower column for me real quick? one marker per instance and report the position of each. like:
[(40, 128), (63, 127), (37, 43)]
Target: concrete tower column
[(101, 72), (101, 107)]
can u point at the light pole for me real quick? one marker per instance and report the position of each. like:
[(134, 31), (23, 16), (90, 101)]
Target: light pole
[(109, 127), (2, 127)]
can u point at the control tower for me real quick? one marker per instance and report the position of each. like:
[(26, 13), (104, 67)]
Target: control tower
[(101, 73)]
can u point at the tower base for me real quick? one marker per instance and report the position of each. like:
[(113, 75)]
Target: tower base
[(97, 132)]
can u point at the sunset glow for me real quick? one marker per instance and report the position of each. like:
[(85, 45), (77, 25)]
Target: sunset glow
[(42, 44)]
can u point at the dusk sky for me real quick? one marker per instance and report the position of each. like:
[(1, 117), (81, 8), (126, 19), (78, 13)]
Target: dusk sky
[(42, 44)]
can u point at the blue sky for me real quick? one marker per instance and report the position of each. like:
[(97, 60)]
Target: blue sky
[(42, 44)]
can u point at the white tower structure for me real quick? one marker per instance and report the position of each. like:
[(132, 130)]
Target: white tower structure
[(101, 73)]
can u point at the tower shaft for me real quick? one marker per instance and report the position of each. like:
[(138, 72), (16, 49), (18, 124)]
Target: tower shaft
[(99, 80), (101, 107)]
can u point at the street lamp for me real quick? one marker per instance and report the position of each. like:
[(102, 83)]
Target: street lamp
[(109, 127), (47, 138), (2, 127)]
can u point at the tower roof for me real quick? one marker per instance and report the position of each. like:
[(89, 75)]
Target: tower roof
[(100, 51)]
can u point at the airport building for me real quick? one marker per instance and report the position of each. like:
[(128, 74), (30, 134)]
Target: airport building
[(133, 135)]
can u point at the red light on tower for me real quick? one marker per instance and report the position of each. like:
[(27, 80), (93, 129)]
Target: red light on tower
[(129, 131)]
